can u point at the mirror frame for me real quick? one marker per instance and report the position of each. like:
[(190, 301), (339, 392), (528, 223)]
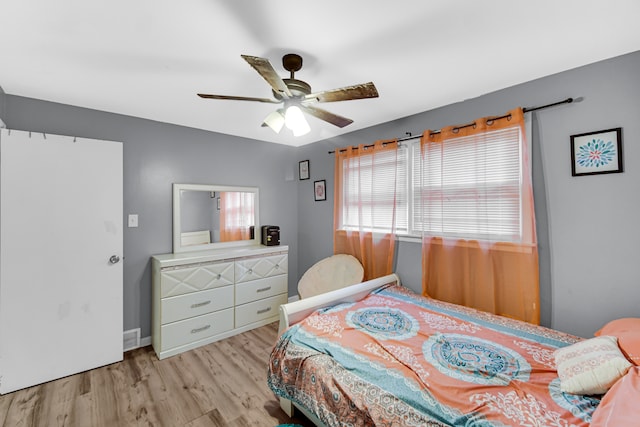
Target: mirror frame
[(177, 246)]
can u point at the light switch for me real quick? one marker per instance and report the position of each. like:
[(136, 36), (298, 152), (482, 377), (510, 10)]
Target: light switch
[(133, 220)]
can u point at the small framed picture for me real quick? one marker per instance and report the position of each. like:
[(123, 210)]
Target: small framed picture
[(595, 153), (320, 190), (303, 169)]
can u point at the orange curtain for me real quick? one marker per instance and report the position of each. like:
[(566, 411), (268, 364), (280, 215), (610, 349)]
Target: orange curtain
[(236, 215), (364, 206), (496, 276)]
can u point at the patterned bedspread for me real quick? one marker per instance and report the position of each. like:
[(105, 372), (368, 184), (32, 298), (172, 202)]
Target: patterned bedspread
[(399, 359)]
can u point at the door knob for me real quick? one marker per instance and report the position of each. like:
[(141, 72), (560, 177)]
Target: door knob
[(114, 259)]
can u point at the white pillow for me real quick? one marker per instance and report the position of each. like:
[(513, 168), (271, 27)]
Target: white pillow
[(591, 366)]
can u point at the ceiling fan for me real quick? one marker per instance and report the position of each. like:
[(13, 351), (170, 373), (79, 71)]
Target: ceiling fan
[(296, 95)]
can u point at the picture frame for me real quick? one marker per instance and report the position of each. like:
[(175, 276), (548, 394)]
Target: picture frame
[(595, 153), (303, 170), (320, 190)]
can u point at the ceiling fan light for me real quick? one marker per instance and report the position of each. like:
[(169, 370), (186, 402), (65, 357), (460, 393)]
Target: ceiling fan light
[(294, 119), (301, 130), (275, 121)]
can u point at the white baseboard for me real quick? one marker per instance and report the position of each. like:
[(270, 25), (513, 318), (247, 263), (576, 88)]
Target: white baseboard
[(130, 345), (145, 341)]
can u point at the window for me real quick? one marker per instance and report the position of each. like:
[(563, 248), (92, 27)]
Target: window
[(369, 202), (467, 187), (471, 187)]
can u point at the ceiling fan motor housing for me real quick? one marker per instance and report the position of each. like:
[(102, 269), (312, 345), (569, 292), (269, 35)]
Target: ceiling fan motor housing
[(292, 63), (297, 87)]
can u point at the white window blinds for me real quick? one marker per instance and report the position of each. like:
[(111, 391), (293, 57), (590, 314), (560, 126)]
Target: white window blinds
[(471, 187), (374, 190)]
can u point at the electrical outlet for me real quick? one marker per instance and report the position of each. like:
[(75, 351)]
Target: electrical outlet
[(133, 220)]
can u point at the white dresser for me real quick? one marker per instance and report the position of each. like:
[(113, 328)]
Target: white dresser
[(202, 297)]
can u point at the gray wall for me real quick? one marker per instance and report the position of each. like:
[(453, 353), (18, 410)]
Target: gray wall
[(155, 156), (587, 226)]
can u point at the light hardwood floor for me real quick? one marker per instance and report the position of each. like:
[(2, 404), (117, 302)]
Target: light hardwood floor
[(221, 384)]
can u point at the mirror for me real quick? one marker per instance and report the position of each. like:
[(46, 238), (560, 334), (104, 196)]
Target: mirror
[(213, 216)]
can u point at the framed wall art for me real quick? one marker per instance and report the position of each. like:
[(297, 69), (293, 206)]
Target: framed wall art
[(597, 152), (303, 169), (320, 190)]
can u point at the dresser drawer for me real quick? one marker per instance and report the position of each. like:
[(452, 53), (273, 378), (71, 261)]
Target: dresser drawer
[(260, 267), (196, 304), (261, 288), (196, 328), (259, 310), (184, 280)]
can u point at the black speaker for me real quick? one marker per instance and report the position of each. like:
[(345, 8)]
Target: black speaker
[(270, 235)]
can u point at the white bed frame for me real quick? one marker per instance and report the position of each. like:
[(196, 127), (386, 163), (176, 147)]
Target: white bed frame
[(294, 312)]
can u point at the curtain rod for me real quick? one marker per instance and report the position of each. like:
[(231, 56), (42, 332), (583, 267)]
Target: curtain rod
[(524, 110)]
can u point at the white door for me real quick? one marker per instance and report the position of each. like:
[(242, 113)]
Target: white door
[(60, 225)]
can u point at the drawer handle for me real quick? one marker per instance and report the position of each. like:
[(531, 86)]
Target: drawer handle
[(250, 271), (277, 265), (219, 276), (263, 289), (200, 304), (196, 330), (264, 310)]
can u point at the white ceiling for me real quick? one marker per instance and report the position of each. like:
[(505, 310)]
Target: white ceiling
[(149, 58)]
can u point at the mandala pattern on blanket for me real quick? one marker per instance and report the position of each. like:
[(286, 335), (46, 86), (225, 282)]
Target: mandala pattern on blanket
[(579, 405), (475, 360), (383, 322)]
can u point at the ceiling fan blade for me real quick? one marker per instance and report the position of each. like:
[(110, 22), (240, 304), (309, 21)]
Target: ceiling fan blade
[(265, 69), (334, 119), (238, 98), (361, 91)]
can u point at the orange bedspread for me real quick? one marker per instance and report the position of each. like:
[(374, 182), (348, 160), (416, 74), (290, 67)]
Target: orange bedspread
[(396, 358)]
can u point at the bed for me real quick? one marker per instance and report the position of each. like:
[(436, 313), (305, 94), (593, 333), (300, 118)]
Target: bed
[(376, 353)]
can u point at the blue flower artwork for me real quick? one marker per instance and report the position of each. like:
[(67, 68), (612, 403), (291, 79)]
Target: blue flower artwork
[(596, 152)]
